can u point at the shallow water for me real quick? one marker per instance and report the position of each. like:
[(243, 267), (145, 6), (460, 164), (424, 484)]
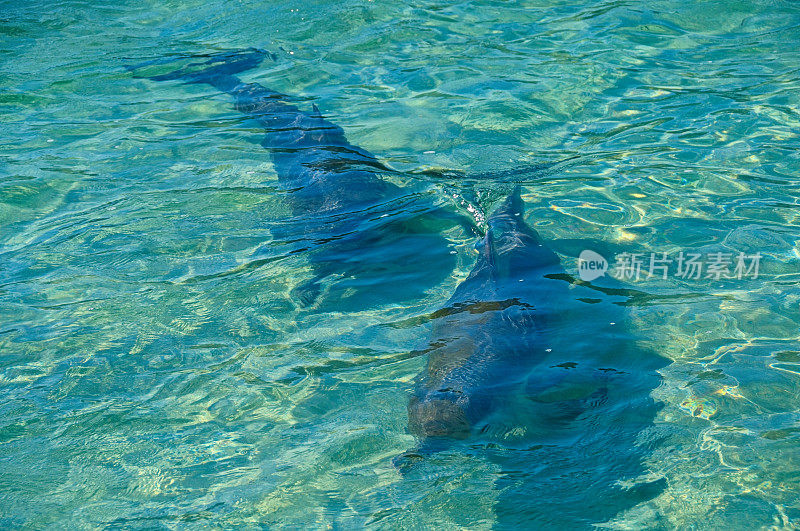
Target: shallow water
[(156, 371)]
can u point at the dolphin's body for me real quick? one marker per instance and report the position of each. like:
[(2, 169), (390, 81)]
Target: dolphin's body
[(517, 348), (542, 368), (358, 225), (492, 330)]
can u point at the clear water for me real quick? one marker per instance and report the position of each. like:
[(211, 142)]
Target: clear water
[(156, 372)]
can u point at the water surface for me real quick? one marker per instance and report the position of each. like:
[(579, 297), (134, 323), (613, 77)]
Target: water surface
[(156, 372)]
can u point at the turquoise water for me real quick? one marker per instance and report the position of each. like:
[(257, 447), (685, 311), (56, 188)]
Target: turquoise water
[(156, 370)]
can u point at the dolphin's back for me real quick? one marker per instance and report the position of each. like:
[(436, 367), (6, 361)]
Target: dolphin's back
[(493, 329), (518, 349)]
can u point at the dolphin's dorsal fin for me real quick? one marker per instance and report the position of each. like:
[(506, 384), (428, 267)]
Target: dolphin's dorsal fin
[(316, 110)]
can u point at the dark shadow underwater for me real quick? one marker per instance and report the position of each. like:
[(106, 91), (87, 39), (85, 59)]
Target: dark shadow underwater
[(534, 371)]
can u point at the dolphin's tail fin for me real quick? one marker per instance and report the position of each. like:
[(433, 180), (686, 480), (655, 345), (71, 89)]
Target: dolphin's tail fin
[(217, 69), (509, 216), (512, 205)]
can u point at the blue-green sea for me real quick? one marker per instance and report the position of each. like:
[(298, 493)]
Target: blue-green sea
[(158, 372)]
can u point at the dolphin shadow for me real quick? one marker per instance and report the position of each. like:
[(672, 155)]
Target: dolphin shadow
[(359, 231)]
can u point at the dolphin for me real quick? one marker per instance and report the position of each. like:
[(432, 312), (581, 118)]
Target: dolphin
[(357, 225), (538, 371)]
